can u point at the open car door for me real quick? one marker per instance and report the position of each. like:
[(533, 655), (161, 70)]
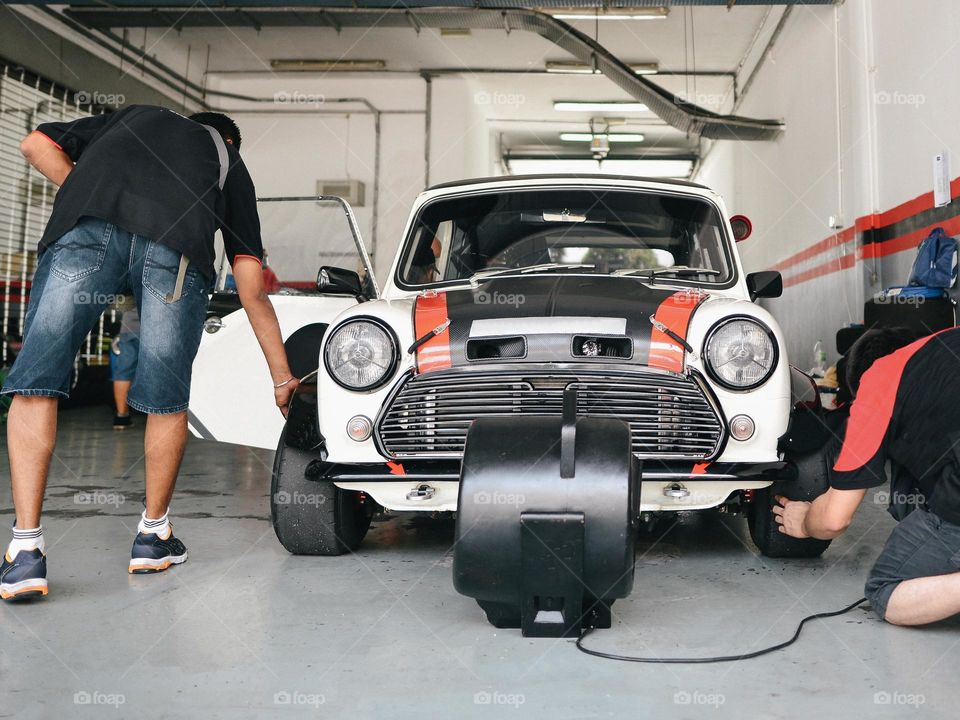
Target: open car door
[(231, 396)]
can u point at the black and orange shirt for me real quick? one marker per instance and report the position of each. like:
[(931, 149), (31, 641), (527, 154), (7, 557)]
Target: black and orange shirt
[(907, 411), (156, 173)]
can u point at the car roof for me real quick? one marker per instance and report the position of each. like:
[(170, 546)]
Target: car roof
[(563, 176)]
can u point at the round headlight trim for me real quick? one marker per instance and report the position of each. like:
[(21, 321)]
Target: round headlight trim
[(386, 352), (716, 376)]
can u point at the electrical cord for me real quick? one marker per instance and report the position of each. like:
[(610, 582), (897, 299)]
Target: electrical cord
[(722, 658)]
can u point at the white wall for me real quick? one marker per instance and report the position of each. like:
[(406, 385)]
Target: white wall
[(301, 135), (897, 107)]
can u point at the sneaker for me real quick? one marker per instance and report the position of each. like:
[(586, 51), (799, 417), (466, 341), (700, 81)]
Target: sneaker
[(24, 576), (121, 422), (152, 553)]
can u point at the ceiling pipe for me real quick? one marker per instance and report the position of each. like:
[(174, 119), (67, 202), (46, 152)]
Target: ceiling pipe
[(679, 113)]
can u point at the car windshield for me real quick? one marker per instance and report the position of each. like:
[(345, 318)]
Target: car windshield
[(656, 236)]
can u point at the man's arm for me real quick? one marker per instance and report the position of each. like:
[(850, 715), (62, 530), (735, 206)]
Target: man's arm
[(256, 303), (827, 517), (47, 157)]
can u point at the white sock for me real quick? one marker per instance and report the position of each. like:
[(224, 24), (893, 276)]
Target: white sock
[(160, 526), (27, 539)]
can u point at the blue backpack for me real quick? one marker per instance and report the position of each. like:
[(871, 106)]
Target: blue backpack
[(934, 266)]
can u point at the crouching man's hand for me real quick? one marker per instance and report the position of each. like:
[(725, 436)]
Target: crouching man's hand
[(791, 516)]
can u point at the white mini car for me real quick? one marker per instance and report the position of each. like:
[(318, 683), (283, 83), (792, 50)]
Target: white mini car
[(505, 292)]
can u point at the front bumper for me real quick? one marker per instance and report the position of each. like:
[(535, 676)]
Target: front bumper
[(399, 486)]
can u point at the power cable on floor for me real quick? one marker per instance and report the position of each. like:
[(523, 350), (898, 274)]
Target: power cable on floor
[(721, 658)]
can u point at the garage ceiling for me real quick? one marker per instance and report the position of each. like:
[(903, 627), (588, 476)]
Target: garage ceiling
[(689, 96)]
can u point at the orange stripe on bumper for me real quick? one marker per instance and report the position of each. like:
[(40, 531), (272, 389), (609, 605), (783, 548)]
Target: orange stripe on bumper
[(430, 313), (675, 313)]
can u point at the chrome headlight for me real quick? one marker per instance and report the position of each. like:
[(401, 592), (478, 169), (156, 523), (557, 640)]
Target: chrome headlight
[(740, 353), (361, 354)]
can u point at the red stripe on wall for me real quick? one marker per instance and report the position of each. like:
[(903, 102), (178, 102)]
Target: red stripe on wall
[(863, 224)]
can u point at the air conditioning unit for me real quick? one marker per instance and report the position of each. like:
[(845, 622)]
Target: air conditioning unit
[(350, 190)]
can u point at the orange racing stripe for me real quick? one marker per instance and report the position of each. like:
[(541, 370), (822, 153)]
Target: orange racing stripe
[(674, 313), (430, 312)]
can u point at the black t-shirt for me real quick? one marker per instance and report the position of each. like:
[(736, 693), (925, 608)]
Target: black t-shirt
[(907, 411), (153, 172)]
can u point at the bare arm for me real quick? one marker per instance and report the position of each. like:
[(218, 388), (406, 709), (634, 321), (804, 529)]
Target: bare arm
[(47, 157), (256, 303), (827, 517)]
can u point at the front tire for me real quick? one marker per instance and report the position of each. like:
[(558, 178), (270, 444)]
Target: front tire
[(811, 482), (312, 517)]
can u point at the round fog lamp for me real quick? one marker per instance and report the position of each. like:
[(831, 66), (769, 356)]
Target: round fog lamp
[(359, 427), (742, 427)]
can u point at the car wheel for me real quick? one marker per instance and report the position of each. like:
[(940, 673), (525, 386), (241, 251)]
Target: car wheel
[(812, 480), (312, 517)]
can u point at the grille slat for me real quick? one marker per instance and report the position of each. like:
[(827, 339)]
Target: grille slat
[(669, 415)]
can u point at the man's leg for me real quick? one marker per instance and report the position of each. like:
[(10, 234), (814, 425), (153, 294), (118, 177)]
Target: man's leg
[(915, 579), (121, 388), (163, 445), (172, 301), (31, 434), (924, 600)]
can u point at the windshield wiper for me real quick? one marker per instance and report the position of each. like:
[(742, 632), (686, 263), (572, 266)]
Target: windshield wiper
[(543, 267), (679, 271)]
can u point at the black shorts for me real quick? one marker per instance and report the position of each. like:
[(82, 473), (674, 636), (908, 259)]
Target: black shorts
[(922, 545)]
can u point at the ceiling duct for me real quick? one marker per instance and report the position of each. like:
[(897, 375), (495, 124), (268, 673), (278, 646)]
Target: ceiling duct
[(674, 110)]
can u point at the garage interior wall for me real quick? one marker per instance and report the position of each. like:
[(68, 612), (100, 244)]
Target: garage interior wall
[(855, 163), (860, 152)]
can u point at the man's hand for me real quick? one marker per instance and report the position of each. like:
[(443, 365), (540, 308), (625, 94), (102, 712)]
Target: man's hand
[(791, 515), (283, 395)]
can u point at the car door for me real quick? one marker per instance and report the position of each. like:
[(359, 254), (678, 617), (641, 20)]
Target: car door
[(231, 395)]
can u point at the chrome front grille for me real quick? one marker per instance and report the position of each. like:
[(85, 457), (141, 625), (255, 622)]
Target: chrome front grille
[(669, 415)]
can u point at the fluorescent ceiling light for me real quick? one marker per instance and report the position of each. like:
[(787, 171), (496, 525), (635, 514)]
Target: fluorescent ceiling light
[(656, 13), (612, 137), (327, 65), (574, 68), (595, 106)]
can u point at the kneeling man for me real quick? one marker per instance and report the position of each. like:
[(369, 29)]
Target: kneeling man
[(906, 412)]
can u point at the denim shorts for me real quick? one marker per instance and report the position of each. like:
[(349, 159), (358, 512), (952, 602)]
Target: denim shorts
[(922, 545), (77, 278), (123, 365)]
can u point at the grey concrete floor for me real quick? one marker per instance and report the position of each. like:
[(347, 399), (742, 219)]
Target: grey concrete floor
[(244, 630)]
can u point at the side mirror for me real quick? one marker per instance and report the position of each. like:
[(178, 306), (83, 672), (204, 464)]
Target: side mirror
[(741, 226), (765, 284), (339, 281)]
